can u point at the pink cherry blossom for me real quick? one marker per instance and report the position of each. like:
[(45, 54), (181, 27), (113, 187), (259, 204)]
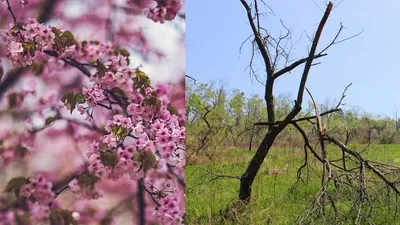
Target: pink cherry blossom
[(86, 119)]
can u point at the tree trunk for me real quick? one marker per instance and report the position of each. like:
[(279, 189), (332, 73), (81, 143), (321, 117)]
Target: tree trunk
[(247, 179)]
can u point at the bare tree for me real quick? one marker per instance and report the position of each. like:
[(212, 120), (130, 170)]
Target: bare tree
[(271, 51), (351, 177)]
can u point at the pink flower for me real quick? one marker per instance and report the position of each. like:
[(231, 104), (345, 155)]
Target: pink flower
[(40, 189), (110, 141), (98, 168), (95, 94), (7, 218), (157, 125), (93, 149), (38, 211), (135, 109), (84, 192), (161, 141), (126, 122), (142, 140), (81, 109), (15, 48), (165, 10), (138, 129)]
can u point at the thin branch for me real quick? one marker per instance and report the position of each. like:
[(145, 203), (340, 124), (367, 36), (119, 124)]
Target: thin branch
[(70, 61), (194, 80), (361, 159), (334, 41), (300, 119), (297, 107), (15, 19), (294, 65), (258, 40), (312, 53), (343, 96)]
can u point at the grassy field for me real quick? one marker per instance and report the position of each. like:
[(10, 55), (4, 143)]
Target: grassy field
[(277, 198)]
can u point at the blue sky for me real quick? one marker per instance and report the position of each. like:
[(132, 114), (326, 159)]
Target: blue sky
[(215, 30)]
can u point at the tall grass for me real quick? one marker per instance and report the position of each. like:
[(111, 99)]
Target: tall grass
[(277, 196)]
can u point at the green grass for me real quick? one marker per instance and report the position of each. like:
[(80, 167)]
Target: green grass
[(275, 199)]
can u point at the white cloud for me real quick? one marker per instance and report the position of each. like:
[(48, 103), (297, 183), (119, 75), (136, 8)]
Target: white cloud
[(168, 39)]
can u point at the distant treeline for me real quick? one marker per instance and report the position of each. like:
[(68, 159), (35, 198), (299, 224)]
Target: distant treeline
[(218, 117)]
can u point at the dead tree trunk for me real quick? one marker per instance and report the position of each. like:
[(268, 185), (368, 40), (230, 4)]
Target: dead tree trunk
[(263, 43), (246, 180)]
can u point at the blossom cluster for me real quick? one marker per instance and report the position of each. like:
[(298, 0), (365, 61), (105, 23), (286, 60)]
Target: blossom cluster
[(24, 40), (165, 10), (139, 134), (40, 189), (39, 194), (94, 93), (14, 145)]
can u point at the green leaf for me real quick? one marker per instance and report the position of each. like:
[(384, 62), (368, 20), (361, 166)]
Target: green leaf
[(121, 132), (83, 43), (56, 31), (152, 101), (57, 38), (148, 161), (71, 98), (109, 159), (122, 51), (80, 98), (14, 29), (137, 156), (197, 101), (125, 52), (29, 47), (51, 119), (23, 219), (119, 92), (38, 67), (56, 217), (67, 95), (101, 68), (19, 26), (140, 80), (21, 151), (68, 39), (116, 129), (15, 184), (172, 110), (62, 217), (13, 99), (106, 221), (87, 180), (68, 218), (125, 132)]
